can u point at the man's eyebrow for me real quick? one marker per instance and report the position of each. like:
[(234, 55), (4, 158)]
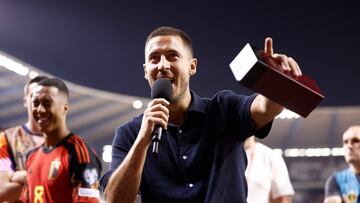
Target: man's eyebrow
[(156, 52), (355, 138), (172, 51), (153, 53)]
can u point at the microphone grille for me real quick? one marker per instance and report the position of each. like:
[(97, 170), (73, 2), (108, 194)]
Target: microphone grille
[(162, 88)]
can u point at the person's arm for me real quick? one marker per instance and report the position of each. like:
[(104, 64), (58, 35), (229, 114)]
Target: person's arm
[(283, 199), (11, 185), (263, 110), (124, 183), (333, 199), (85, 173), (332, 191), (11, 182), (281, 187)]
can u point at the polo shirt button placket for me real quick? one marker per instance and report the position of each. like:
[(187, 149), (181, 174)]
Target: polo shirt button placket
[(191, 185)]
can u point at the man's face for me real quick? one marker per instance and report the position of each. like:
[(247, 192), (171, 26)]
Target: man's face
[(49, 108), (27, 97), (168, 57), (351, 144)]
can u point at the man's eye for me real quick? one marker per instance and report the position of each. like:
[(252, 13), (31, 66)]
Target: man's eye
[(35, 103), (172, 56), (46, 104), (355, 140), (153, 58)]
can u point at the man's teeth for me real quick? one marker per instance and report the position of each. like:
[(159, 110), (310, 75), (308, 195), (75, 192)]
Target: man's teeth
[(42, 119)]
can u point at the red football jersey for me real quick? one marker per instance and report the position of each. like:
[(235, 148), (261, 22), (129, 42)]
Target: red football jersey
[(68, 172)]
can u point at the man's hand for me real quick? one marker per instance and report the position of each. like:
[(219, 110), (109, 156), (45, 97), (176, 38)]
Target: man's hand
[(263, 110), (11, 185), (155, 114), (18, 177), (280, 61)]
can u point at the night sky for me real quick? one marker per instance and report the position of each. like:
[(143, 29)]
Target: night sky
[(100, 43)]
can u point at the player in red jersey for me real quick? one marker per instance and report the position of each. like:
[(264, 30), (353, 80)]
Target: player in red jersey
[(64, 168)]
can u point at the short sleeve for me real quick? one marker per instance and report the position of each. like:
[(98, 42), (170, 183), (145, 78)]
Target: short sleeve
[(331, 187), (230, 110), (281, 184), (124, 138), (86, 174)]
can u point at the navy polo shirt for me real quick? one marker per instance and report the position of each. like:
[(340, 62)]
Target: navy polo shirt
[(201, 160)]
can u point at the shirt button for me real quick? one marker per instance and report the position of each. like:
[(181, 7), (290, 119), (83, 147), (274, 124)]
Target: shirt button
[(191, 185), (184, 157), (180, 131)]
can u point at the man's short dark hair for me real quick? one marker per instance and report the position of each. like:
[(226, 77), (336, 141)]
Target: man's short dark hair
[(56, 82), (36, 79), (170, 31)]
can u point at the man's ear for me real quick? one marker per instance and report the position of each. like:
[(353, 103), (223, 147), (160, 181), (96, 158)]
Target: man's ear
[(145, 72), (25, 102), (66, 108), (193, 66)]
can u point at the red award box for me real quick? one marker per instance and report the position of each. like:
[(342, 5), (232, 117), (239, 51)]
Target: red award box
[(300, 95)]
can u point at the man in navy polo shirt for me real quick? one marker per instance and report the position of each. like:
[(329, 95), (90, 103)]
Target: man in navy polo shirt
[(201, 156)]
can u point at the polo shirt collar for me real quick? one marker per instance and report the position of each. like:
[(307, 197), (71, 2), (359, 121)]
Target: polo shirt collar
[(197, 103)]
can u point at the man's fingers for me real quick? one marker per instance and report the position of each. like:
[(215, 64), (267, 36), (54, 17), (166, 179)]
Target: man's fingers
[(283, 61), (268, 49), (157, 113), (295, 69)]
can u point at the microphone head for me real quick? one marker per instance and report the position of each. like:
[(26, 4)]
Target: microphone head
[(162, 88)]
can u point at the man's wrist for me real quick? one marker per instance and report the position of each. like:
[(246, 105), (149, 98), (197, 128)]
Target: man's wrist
[(11, 177), (18, 177)]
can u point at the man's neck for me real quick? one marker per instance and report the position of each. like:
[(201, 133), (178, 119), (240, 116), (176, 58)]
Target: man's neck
[(55, 137), (177, 110), (32, 127)]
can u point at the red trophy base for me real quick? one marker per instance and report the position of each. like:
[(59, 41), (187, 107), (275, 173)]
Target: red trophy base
[(300, 95)]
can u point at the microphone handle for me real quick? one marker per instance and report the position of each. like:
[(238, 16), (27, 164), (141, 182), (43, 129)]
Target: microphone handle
[(156, 140)]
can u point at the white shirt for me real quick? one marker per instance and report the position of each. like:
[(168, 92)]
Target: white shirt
[(266, 175)]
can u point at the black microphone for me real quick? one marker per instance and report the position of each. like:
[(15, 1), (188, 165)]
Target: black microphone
[(162, 88)]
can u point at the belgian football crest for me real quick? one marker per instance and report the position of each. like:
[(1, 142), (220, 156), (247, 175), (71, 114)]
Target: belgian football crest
[(54, 168)]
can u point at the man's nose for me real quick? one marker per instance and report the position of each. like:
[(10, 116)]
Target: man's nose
[(348, 145), (163, 63), (40, 108)]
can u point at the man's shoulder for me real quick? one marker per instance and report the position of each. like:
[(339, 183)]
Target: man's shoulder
[(135, 123), (13, 130), (33, 151), (263, 148), (343, 172), (3, 140), (18, 131), (76, 140), (78, 147), (267, 153), (9, 134), (226, 96), (220, 93)]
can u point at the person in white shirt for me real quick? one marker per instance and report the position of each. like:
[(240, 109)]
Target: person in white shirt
[(266, 175)]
